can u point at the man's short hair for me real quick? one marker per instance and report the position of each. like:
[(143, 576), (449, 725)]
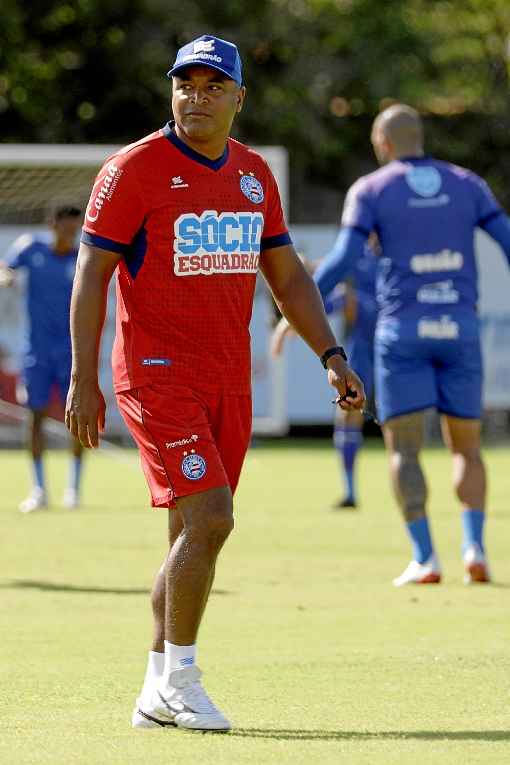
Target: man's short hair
[(65, 211)]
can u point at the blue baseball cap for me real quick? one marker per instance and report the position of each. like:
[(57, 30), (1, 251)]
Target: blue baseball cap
[(210, 51)]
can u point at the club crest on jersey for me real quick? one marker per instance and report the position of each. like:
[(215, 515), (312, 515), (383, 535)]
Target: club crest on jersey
[(252, 188), (424, 181), (193, 466)]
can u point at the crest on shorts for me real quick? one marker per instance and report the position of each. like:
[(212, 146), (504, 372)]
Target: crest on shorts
[(252, 188), (424, 181), (193, 466)]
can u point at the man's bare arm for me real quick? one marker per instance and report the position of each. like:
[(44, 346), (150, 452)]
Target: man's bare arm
[(85, 409), (299, 301)]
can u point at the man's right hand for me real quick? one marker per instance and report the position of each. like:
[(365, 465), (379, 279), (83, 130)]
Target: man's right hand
[(6, 276), (85, 412)]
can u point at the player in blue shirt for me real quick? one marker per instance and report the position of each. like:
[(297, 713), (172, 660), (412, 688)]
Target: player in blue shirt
[(50, 267), (355, 298), (427, 346)]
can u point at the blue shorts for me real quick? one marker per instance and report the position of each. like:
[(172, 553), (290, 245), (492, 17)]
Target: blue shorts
[(41, 373), (416, 374), (360, 354)]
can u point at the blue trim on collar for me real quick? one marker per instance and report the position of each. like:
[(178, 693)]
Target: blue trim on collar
[(212, 164)]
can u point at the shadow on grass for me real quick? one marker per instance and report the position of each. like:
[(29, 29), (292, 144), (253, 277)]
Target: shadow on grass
[(30, 584), (287, 734)]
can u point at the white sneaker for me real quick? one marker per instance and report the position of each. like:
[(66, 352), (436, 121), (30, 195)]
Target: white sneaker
[(71, 500), (420, 573), (183, 703), (477, 568), (141, 719), (36, 500)]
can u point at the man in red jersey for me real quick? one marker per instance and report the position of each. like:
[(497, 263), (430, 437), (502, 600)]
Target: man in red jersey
[(187, 216)]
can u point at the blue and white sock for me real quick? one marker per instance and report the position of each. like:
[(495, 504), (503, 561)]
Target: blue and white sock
[(419, 532), (38, 473), (347, 440), (177, 657), (75, 473), (472, 523)]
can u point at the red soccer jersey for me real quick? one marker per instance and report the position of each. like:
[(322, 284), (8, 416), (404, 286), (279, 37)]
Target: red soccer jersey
[(191, 231)]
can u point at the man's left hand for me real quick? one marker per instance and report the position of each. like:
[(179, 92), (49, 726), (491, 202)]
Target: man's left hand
[(351, 392)]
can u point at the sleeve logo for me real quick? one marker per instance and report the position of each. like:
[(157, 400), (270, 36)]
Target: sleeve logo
[(107, 184)]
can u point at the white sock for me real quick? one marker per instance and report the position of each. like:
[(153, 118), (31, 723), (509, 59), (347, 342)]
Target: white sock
[(177, 657), (153, 673)]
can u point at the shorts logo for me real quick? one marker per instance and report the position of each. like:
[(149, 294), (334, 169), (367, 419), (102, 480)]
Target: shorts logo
[(442, 329), (194, 467), (182, 442), (107, 184), (446, 260), (424, 181), (252, 188)]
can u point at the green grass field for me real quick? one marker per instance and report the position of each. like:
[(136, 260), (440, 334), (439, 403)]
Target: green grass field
[(305, 645)]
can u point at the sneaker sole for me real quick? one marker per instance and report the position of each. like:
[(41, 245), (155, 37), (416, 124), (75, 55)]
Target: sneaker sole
[(477, 574), (432, 578), (144, 721)]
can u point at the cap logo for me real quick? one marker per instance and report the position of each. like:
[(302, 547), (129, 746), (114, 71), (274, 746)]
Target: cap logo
[(203, 46)]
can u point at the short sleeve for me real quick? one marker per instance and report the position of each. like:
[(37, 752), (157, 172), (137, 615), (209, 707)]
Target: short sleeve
[(275, 232), (358, 209), (17, 254), (487, 206), (115, 211)]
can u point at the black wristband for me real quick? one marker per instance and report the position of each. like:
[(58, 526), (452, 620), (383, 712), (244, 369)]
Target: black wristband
[(336, 350)]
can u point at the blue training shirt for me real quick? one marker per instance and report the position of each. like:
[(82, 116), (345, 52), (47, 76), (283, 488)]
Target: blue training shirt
[(424, 212), (48, 292)]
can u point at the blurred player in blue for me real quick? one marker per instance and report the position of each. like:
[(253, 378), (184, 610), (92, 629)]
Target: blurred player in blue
[(355, 299), (427, 345), (50, 267)]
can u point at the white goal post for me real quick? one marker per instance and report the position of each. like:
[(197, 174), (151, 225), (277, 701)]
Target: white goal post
[(35, 177)]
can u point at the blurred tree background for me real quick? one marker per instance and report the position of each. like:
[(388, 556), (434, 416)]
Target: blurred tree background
[(317, 72)]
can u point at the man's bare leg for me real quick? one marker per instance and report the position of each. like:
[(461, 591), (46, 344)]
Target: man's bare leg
[(462, 437), (403, 437), (198, 528), (158, 594), (208, 520)]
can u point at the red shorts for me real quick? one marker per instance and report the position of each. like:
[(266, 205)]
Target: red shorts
[(189, 442)]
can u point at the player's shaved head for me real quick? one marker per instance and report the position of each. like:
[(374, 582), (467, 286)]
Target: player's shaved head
[(397, 132)]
